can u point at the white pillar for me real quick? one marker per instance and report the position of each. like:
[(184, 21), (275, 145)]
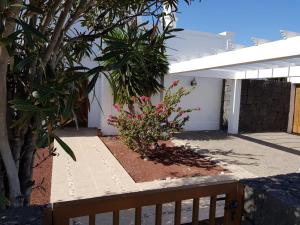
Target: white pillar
[(292, 106), (234, 113)]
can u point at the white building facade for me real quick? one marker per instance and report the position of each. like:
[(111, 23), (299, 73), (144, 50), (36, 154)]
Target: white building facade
[(206, 95), (207, 59)]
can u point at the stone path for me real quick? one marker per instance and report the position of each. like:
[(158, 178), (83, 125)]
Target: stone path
[(256, 154), (97, 173)]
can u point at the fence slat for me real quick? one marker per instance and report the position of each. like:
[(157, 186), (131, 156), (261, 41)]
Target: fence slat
[(195, 219), (47, 216), (61, 217), (227, 211), (212, 210), (63, 211), (177, 218), (105, 204), (116, 217), (239, 205), (138, 216), (92, 219), (158, 214)]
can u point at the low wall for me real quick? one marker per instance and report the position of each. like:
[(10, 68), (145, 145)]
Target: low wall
[(272, 200)]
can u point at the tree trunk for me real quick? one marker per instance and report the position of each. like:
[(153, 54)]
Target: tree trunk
[(15, 196), (5, 150), (16, 150), (26, 166), (2, 177)]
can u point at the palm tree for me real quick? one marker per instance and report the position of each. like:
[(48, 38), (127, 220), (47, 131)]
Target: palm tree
[(136, 59)]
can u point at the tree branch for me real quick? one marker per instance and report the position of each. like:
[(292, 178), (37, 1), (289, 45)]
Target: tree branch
[(57, 31), (49, 15)]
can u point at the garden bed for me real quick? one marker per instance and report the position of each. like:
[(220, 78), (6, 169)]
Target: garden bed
[(169, 162), (42, 174)]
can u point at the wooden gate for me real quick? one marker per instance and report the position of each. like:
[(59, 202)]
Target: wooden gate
[(229, 192), (296, 123)]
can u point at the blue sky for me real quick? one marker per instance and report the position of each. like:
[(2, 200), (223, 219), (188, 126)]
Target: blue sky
[(246, 18)]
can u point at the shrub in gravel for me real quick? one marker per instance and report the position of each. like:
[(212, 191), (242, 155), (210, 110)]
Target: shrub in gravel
[(143, 128)]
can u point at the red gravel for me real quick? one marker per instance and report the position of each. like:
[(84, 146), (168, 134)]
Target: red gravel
[(42, 175), (169, 162)]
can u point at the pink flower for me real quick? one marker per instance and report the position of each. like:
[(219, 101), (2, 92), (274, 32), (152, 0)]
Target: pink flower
[(117, 107), (139, 116), (175, 83), (159, 106), (158, 111), (111, 120), (129, 116), (143, 98)]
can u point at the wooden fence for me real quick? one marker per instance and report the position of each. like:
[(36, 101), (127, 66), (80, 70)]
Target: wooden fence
[(231, 192)]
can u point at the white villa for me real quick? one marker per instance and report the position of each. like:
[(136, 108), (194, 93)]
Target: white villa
[(208, 61)]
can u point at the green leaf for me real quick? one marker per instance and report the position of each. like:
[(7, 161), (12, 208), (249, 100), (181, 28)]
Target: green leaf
[(31, 30), (65, 147), (34, 9), (97, 69), (19, 67), (91, 85), (11, 38), (27, 106), (175, 30), (76, 68)]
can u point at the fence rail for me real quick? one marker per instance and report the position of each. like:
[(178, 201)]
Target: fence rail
[(62, 212)]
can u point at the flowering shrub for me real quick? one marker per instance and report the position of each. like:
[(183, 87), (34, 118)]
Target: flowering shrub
[(142, 130)]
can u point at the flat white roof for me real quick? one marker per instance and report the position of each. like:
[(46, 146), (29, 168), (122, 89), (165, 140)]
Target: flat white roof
[(264, 60)]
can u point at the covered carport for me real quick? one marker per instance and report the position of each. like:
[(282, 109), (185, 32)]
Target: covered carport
[(273, 60)]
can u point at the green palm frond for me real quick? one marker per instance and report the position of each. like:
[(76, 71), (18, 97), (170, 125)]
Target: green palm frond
[(136, 57)]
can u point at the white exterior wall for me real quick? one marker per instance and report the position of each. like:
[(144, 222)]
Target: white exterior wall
[(191, 44), (94, 115), (206, 95), (99, 114), (107, 102)]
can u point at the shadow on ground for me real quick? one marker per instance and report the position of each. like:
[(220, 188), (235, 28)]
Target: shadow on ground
[(272, 200), (228, 156), (269, 144), (73, 132), (202, 136), (180, 155)]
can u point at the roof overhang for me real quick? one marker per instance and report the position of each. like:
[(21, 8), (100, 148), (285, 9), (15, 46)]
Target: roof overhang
[(273, 59)]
